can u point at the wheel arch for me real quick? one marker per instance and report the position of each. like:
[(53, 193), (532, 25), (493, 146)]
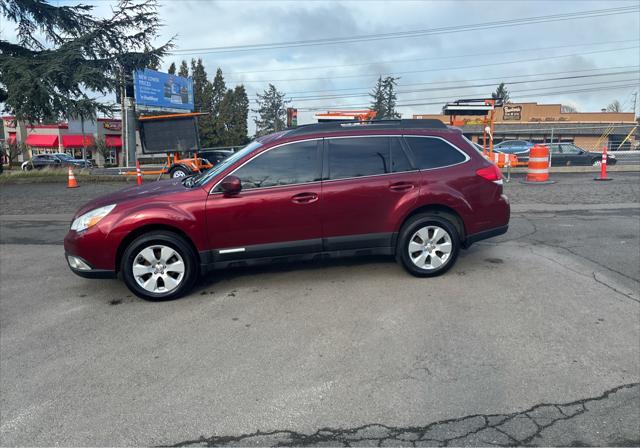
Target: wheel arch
[(439, 209), (152, 228), (180, 165)]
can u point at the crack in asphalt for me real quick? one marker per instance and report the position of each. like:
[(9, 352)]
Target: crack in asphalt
[(593, 275), (513, 429)]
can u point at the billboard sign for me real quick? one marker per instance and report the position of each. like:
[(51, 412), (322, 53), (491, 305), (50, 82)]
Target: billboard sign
[(162, 90)]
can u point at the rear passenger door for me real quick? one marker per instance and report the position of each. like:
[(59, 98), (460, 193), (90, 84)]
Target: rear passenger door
[(368, 183)]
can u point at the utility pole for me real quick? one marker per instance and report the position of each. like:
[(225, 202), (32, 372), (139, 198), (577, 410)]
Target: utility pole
[(84, 139), (635, 98)]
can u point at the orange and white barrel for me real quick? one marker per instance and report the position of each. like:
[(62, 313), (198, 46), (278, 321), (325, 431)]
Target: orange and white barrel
[(538, 168)]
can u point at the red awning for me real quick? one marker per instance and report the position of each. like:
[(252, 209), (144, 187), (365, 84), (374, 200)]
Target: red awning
[(12, 138), (113, 141), (42, 141), (75, 141)]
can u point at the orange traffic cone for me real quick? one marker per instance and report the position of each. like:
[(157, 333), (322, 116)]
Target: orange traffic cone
[(138, 173), (72, 183)]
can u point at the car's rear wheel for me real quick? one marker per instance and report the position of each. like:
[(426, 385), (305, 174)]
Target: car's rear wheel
[(596, 162), (159, 266), (428, 245)]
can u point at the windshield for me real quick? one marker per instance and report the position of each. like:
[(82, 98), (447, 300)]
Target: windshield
[(64, 156), (203, 178)]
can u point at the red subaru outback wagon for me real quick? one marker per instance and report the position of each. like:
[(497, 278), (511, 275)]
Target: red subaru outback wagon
[(416, 189)]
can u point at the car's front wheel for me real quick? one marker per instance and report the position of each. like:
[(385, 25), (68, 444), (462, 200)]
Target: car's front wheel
[(159, 266), (428, 245)]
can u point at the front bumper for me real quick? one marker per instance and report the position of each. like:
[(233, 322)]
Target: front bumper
[(90, 253), (83, 268)]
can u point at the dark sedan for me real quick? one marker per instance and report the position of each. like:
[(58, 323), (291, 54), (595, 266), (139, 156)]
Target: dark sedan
[(60, 160), (568, 154)]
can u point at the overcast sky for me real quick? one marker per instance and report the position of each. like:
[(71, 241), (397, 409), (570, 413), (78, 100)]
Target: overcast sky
[(425, 64)]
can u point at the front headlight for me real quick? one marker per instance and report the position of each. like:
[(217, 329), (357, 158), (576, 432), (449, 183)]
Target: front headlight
[(611, 156), (91, 218)]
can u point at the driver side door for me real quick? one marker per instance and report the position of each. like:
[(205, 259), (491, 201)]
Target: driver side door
[(277, 211)]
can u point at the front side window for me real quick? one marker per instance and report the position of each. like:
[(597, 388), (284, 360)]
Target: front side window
[(295, 163), (366, 156), (431, 152)]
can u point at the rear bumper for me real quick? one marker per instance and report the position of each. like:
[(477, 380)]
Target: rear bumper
[(484, 235)]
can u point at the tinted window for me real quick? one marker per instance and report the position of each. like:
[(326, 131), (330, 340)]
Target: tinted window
[(433, 152), (366, 156), (399, 161), (295, 163), (358, 156)]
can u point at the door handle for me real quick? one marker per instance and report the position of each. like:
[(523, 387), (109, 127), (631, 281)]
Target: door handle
[(304, 198), (401, 186)]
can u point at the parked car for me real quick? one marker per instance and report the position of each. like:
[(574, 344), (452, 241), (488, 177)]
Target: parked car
[(414, 189), (563, 154), (58, 160), (520, 148)]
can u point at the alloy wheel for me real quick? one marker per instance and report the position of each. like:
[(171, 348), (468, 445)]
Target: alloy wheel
[(430, 247), (158, 269)]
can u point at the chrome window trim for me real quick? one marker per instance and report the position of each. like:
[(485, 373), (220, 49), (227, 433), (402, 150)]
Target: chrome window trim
[(466, 156), (255, 156)]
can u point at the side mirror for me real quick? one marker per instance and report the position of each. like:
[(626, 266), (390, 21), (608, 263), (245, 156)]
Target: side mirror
[(231, 185)]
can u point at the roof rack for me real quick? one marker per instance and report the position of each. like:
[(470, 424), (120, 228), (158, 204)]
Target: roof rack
[(346, 125)]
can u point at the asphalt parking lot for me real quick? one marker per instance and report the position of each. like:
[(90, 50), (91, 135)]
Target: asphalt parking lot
[(533, 338)]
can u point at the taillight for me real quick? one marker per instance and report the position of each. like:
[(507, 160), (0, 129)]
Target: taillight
[(491, 172)]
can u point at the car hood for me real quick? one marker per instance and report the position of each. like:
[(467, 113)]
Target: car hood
[(146, 191)]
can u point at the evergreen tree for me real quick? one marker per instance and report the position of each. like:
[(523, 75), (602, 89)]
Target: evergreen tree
[(202, 94), (384, 98), (240, 116), (231, 123), (271, 111), (172, 68), (377, 94), (389, 89), (501, 93), (184, 70), (219, 91), (64, 55)]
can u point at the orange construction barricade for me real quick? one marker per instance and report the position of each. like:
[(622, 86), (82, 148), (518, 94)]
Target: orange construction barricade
[(538, 168)]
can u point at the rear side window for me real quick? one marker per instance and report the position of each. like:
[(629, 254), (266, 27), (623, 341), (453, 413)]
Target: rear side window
[(431, 152), (365, 156), (295, 163)]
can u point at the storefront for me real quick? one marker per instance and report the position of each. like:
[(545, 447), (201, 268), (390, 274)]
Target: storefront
[(544, 123), (101, 141)]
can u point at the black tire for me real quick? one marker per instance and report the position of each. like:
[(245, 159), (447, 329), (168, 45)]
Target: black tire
[(167, 239), (179, 172), (440, 220)]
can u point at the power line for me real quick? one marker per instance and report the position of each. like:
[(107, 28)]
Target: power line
[(514, 94), (483, 54), (505, 78), (561, 78), (413, 33), (461, 67)]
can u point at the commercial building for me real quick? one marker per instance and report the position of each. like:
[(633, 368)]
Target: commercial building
[(543, 123), (67, 137)]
